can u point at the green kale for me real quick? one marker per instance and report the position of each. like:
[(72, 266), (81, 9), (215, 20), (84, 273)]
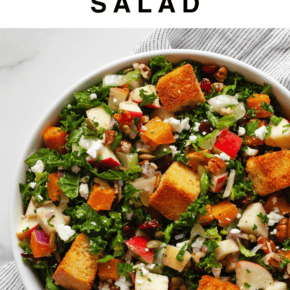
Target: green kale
[(251, 128), (245, 251), (69, 184), (264, 218), (267, 107), (181, 253), (159, 67), (124, 269), (276, 120)]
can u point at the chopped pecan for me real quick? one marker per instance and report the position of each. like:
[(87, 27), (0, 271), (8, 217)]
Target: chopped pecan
[(209, 69), (268, 245), (144, 70), (126, 146), (282, 230), (221, 74), (109, 137), (217, 166)]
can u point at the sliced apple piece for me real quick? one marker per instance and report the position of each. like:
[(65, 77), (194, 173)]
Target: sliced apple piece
[(250, 223), (108, 158), (162, 114), (49, 217), (169, 258), (26, 227), (225, 248), (218, 181), (134, 111), (280, 135), (277, 286), (135, 96), (116, 96), (31, 210), (251, 276), (228, 143), (138, 246), (128, 160), (146, 186), (99, 115)]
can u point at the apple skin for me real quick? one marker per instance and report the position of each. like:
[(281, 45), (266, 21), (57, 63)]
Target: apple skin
[(138, 246), (219, 181), (253, 274), (108, 158), (228, 143)]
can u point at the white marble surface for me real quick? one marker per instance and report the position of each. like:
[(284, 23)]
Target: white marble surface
[(36, 66)]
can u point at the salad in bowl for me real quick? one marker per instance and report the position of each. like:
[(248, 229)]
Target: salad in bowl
[(161, 176)]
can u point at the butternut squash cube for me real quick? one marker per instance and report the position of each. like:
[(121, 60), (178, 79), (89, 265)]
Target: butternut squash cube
[(109, 270), (101, 198), (224, 212)]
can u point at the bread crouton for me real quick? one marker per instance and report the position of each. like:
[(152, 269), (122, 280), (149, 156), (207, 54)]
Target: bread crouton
[(178, 188), (78, 269), (269, 172), (179, 89), (211, 283)]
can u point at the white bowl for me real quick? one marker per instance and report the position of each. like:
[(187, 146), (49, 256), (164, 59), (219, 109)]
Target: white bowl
[(50, 117)]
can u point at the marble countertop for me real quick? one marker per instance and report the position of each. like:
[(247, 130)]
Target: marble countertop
[(36, 66)]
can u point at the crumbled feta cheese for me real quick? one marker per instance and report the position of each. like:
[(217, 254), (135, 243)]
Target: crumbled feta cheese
[(239, 215), (178, 125), (203, 133), (261, 132), (274, 218), (115, 100), (84, 190), (93, 223), (69, 106), (75, 169), (104, 286), (65, 232), (197, 245), (241, 131), (235, 231), (32, 184), (121, 182), (192, 138), (93, 96), (142, 268), (251, 152), (146, 250), (286, 276), (85, 143), (196, 126), (143, 128), (95, 148), (40, 197), (223, 156), (38, 167), (176, 136), (173, 150), (150, 266), (274, 232)]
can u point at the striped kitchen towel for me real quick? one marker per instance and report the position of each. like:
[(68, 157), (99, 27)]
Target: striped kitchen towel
[(265, 49)]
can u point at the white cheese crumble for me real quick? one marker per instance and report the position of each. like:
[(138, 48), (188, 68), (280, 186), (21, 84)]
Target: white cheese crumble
[(196, 126), (142, 268), (261, 132), (143, 128), (93, 223), (241, 131), (251, 152), (115, 100), (104, 286), (235, 231), (65, 232), (93, 96), (40, 197), (274, 232), (38, 167), (84, 190), (180, 245), (75, 169), (274, 217), (197, 245), (123, 284), (223, 156), (178, 125), (69, 106), (173, 150), (95, 148), (129, 215), (192, 138), (32, 184), (239, 215)]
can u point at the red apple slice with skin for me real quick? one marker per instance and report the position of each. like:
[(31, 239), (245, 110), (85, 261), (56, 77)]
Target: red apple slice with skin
[(252, 276), (218, 181), (108, 158), (228, 143), (133, 109), (138, 246)]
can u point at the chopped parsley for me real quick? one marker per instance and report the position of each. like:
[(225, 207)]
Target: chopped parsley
[(247, 286), (254, 227), (263, 217), (276, 120), (181, 253), (49, 220), (147, 98)]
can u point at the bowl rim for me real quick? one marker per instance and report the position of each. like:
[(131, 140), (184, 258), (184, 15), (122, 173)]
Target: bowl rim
[(99, 72)]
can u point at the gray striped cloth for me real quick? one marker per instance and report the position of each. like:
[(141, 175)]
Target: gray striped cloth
[(265, 49)]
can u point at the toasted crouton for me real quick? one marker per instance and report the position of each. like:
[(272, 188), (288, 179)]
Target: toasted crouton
[(269, 172), (178, 188), (179, 89), (211, 283), (78, 269)]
